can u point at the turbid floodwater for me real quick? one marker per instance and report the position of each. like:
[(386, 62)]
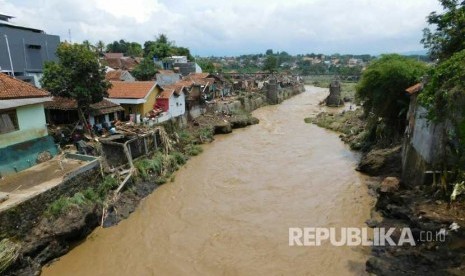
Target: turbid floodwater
[(229, 210)]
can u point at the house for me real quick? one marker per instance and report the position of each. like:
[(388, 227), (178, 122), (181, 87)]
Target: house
[(167, 77), (119, 75), (205, 83), (222, 86), (64, 111), (172, 101), (181, 65), (118, 61), (137, 98), (23, 130), (23, 50), (113, 55)]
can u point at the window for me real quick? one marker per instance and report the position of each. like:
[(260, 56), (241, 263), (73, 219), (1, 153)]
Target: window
[(34, 57), (8, 121)]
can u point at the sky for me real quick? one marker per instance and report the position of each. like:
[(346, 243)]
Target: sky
[(236, 27)]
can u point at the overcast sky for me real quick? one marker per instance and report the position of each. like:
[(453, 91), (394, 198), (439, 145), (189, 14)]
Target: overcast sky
[(215, 27)]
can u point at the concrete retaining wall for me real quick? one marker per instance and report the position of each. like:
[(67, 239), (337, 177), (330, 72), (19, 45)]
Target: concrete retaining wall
[(18, 220), (421, 147)]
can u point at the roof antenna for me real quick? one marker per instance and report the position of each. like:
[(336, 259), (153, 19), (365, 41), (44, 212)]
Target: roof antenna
[(69, 35)]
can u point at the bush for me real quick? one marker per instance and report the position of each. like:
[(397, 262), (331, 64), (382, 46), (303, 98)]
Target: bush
[(193, 150), (108, 184), (185, 137), (382, 92), (206, 133), (91, 195), (179, 158), (58, 207)]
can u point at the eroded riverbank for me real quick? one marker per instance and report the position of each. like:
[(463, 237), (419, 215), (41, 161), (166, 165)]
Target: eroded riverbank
[(229, 209)]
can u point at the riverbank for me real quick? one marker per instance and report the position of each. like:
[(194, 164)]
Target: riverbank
[(400, 205), (229, 209), (70, 219)]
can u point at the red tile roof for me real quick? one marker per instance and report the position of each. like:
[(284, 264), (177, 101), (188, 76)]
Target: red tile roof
[(415, 88), (114, 63), (129, 63), (102, 107), (165, 72), (61, 103), (198, 75), (185, 83), (113, 55), (130, 90), (114, 75), (166, 93), (11, 88)]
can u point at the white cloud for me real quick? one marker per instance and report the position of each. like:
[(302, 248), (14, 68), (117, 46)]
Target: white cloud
[(237, 27)]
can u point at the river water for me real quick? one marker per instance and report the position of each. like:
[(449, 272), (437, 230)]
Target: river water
[(229, 210)]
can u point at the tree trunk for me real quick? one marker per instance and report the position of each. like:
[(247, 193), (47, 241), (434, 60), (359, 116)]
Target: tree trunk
[(83, 120)]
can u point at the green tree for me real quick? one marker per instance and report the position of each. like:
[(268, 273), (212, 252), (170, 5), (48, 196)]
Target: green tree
[(271, 64), (206, 65), (88, 45), (382, 92), (448, 36), (444, 97), (100, 46), (134, 49), (182, 51), (77, 75), (120, 46), (269, 52), (145, 70)]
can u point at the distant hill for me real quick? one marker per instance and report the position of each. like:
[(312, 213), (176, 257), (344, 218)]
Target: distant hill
[(415, 53)]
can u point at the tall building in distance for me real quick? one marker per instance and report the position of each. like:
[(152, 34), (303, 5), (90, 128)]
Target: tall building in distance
[(24, 50)]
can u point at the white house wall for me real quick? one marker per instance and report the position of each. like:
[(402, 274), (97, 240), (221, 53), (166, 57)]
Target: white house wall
[(177, 105)]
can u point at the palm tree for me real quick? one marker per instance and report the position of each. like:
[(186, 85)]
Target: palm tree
[(100, 46)]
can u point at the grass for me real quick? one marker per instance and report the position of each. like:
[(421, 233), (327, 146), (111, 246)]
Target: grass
[(185, 138), (88, 196), (179, 158), (323, 81), (9, 252), (148, 167), (193, 150), (206, 133), (348, 123), (160, 165)]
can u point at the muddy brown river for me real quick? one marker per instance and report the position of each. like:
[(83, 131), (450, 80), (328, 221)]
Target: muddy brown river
[(229, 210)]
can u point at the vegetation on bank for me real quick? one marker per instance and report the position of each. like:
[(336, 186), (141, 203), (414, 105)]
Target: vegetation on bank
[(381, 91), (385, 103), (444, 91), (9, 252), (348, 88), (90, 196), (350, 124)]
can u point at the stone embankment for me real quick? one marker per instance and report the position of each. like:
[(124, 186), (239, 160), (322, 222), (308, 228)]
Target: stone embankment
[(54, 231), (438, 226)]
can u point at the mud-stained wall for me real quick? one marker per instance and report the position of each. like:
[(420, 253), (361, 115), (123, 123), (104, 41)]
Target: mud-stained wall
[(421, 147), (18, 220)]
